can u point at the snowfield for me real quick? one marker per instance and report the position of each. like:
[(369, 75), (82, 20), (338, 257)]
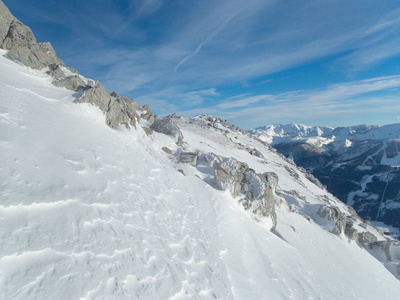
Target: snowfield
[(88, 212)]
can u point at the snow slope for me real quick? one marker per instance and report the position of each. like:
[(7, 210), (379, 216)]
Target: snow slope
[(88, 212)]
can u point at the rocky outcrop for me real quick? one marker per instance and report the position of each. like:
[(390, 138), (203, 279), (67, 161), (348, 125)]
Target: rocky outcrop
[(18, 35), (35, 56), (255, 190), (13, 33), (118, 110), (336, 219), (21, 42), (166, 126), (73, 83), (146, 114), (229, 175), (258, 195)]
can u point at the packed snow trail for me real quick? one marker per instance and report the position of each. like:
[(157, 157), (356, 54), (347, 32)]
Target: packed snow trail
[(88, 212)]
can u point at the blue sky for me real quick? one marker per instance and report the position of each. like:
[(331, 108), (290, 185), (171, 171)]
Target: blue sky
[(253, 62)]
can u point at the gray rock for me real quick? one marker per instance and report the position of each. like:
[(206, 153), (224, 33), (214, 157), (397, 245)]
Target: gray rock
[(398, 269), (166, 150), (257, 153), (351, 232), (189, 158), (229, 175), (335, 216), (272, 178), (13, 33), (97, 96), (148, 131), (147, 114), (259, 197), (36, 56), (129, 107), (118, 110), (56, 72), (6, 19), (166, 126), (73, 83), (367, 238), (18, 35)]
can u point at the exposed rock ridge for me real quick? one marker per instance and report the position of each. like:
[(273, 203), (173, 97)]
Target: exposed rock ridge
[(24, 49), (254, 191)]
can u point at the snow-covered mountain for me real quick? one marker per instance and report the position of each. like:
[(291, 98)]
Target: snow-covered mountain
[(100, 199), (360, 165)]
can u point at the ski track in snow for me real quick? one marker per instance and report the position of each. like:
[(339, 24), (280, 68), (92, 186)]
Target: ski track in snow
[(87, 212)]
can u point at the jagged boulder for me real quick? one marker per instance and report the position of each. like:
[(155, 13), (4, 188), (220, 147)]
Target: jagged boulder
[(72, 83), (129, 107), (337, 220), (166, 126), (35, 56), (259, 197), (117, 111), (229, 175)]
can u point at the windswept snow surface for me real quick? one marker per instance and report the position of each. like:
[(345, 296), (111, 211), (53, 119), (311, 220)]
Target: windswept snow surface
[(88, 212)]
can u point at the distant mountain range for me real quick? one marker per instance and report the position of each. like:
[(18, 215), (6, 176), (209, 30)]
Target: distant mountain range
[(360, 164)]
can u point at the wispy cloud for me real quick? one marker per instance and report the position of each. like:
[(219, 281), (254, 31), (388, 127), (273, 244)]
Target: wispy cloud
[(345, 100), (169, 53), (203, 43)]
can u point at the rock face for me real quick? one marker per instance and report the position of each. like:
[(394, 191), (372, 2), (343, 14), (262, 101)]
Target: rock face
[(35, 56), (13, 33)]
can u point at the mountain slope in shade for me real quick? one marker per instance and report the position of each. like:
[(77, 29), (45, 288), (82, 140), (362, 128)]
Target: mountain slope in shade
[(360, 164)]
